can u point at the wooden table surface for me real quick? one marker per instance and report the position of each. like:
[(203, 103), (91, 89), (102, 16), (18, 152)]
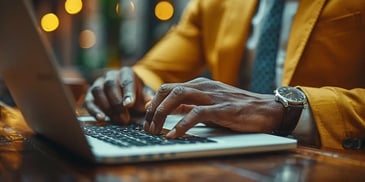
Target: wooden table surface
[(21, 160)]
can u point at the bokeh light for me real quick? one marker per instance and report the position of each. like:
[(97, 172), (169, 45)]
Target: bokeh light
[(117, 9), (164, 10), (87, 39), (132, 6), (73, 6), (49, 22)]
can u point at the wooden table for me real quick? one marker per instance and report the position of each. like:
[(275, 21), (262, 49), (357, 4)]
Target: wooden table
[(21, 160)]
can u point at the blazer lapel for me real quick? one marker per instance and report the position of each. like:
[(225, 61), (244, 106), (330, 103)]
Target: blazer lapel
[(232, 37), (303, 24)]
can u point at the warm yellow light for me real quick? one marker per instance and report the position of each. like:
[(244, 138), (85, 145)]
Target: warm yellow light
[(49, 22), (132, 6), (73, 6), (87, 39), (117, 9), (164, 10)]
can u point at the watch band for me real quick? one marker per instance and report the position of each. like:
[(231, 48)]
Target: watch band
[(290, 120)]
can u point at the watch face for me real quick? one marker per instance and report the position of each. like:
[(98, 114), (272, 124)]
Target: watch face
[(292, 94)]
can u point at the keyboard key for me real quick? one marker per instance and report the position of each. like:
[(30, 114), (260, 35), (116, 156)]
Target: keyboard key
[(134, 135)]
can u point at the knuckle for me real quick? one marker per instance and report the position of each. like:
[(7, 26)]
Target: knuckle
[(179, 90), (96, 89), (183, 126), (198, 110), (197, 80), (109, 83), (164, 88), (160, 110), (201, 79), (183, 123)]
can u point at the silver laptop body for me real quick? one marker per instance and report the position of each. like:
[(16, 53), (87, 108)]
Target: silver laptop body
[(29, 69)]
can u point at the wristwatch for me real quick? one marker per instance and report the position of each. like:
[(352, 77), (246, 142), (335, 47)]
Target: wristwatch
[(293, 100)]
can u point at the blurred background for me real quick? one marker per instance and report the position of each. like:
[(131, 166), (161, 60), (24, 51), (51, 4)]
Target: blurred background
[(93, 35), (89, 36)]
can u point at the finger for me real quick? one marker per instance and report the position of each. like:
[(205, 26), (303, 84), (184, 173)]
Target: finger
[(228, 115), (163, 91), (93, 109), (99, 98), (156, 112), (146, 125), (148, 93), (147, 104), (178, 96), (196, 115), (183, 109), (111, 89), (143, 99), (127, 84)]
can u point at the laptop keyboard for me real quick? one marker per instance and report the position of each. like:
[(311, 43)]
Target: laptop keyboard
[(134, 135)]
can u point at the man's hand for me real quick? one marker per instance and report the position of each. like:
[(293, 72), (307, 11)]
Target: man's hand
[(119, 95), (212, 102)]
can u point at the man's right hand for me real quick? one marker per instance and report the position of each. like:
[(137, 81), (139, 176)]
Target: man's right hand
[(119, 94)]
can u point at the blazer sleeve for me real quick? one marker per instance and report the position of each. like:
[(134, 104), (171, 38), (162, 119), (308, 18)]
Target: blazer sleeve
[(339, 114), (178, 56)]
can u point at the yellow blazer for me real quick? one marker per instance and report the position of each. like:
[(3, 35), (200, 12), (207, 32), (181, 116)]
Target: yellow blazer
[(325, 56)]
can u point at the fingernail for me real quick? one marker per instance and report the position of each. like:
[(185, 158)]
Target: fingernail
[(152, 127), (100, 116), (171, 134), (146, 126), (127, 100)]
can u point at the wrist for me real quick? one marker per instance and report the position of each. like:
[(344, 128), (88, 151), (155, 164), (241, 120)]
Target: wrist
[(293, 101)]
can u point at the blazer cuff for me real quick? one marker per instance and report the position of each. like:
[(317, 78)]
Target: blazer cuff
[(327, 116)]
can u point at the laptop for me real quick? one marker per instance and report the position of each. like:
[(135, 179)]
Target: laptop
[(31, 72)]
